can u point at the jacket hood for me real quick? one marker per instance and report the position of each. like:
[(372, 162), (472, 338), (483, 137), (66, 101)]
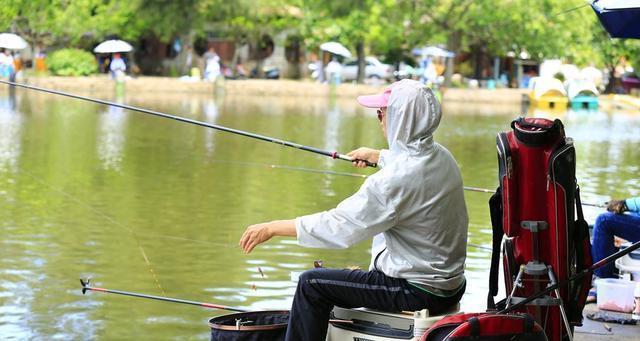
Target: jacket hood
[(413, 114)]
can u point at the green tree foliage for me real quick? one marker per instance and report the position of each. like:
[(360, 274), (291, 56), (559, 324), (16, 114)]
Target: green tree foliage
[(72, 62), (543, 28), (356, 24)]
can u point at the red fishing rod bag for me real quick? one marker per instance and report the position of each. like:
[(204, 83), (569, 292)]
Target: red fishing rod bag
[(535, 207), (485, 327)]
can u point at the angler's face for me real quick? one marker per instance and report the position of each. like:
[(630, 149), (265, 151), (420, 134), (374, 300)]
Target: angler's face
[(382, 118)]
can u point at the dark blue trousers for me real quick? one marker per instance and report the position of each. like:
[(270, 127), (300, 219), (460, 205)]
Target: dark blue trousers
[(625, 226), (319, 290)]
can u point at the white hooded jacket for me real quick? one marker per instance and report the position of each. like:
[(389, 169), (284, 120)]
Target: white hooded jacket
[(413, 207)]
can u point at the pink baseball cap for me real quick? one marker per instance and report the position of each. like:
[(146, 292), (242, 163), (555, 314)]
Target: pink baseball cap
[(376, 101)]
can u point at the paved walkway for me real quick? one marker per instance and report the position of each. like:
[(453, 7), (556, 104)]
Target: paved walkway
[(605, 331)]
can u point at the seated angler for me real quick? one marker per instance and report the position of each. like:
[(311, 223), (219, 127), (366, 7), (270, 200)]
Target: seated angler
[(414, 209), (623, 221)]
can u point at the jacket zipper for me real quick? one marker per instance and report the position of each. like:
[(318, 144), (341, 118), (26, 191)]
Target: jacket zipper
[(375, 261)]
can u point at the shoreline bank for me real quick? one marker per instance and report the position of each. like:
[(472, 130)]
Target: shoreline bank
[(257, 87), (510, 98)]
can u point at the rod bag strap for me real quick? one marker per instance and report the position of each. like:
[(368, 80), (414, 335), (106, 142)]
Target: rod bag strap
[(495, 207), (578, 290)]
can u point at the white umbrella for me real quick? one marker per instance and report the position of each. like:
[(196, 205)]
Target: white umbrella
[(592, 73), (569, 71), (113, 46), (581, 86), (12, 41), (336, 48), (432, 51)]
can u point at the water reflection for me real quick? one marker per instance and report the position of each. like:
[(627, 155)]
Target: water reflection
[(210, 111), (11, 121), (111, 136), (331, 129), (189, 211), (331, 140)]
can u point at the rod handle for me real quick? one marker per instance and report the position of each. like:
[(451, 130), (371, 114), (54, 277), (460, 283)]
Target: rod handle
[(369, 164), (336, 155)]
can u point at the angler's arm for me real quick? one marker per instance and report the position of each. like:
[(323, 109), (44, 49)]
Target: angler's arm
[(368, 212), (260, 233)]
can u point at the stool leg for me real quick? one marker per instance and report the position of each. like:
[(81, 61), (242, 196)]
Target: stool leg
[(517, 283), (552, 281)]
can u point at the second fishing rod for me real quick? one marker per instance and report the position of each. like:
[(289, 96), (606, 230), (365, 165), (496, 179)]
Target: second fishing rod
[(334, 154)]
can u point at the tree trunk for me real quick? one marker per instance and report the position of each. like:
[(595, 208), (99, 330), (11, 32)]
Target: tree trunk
[(453, 45), (182, 63), (294, 64), (234, 59), (610, 88), (361, 62), (259, 69), (477, 60)]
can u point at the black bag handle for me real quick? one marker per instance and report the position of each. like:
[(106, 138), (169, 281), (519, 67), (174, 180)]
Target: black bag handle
[(528, 323), (474, 322), (537, 132)]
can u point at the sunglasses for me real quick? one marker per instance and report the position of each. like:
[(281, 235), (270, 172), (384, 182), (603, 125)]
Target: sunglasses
[(380, 114)]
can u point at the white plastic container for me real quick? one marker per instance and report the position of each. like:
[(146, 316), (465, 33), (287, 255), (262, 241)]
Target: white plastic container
[(373, 325), (629, 265), (636, 310), (615, 294)]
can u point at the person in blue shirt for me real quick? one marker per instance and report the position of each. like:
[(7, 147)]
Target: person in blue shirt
[(623, 221)]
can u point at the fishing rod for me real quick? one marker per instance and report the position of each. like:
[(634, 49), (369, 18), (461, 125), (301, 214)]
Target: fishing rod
[(86, 287), (577, 276), (334, 155)]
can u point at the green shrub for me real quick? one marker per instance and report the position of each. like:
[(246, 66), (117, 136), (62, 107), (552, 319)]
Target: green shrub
[(72, 62)]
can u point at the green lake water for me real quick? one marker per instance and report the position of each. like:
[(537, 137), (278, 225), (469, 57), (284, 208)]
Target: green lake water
[(145, 204)]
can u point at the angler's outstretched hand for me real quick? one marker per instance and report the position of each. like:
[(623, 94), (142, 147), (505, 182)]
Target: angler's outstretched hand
[(364, 154), (260, 233), (617, 206)]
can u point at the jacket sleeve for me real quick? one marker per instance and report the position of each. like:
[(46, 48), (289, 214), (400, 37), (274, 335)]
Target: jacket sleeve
[(366, 213), (633, 204), (382, 159)]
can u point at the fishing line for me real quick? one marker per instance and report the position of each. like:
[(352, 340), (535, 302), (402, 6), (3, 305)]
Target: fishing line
[(292, 168), (197, 241), (204, 242), (356, 175), (334, 154), (113, 221), (570, 10)]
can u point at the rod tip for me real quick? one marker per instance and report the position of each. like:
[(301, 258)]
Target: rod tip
[(85, 284)]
